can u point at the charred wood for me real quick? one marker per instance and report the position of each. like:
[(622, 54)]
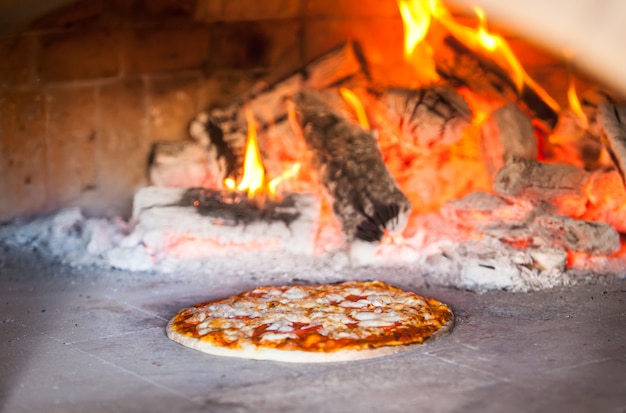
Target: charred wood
[(461, 66), (226, 128), (613, 121), (366, 198), (508, 133), (428, 117), (577, 235), (170, 217), (539, 181)]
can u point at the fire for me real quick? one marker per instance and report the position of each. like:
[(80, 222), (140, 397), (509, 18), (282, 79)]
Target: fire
[(352, 99), (254, 181), (289, 173), (253, 178), (417, 16), (574, 103)]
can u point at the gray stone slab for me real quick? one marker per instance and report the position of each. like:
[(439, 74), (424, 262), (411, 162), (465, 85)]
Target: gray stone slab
[(394, 383), (559, 350), (152, 355), (524, 353), (593, 387), (41, 374), (71, 317)]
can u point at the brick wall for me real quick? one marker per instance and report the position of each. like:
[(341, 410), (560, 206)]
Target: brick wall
[(86, 90)]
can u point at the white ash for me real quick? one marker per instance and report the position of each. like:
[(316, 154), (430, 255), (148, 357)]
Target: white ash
[(439, 253)]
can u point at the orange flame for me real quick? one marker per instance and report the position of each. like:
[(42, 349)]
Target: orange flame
[(417, 16), (574, 104), (254, 182), (253, 178), (289, 173), (353, 100)]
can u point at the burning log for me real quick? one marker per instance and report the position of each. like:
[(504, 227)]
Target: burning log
[(171, 220), (507, 134), (366, 198), (613, 121), (226, 128), (560, 185), (461, 66), (577, 235), (607, 199), (428, 117)]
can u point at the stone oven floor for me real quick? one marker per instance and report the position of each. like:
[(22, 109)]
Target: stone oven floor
[(93, 340)]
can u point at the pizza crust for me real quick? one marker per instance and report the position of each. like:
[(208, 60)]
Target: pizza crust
[(297, 356), (312, 324)]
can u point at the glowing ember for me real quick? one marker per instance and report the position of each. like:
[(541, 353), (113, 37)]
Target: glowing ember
[(351, 97)]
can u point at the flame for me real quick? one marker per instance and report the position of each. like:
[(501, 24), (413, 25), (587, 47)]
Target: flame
[(353, 100), (254, 182), (289, 173), (253, 178), (417, 16), (574, 103)]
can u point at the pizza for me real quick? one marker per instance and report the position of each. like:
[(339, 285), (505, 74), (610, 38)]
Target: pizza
[(316, 323)]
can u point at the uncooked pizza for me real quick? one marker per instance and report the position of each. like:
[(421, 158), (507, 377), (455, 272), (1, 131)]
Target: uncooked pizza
[(316, 323)]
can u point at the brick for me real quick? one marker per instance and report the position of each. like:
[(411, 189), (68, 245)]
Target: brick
[(170, 7), (79, 55), (71, 145), (166, 49), (81, 12), (247, 45), (140, 9), (16, 62), (382, 39), (221, 87), (122, 147), (22, 154), (173, 102), (248, 10), (208, 11), (350, 8)]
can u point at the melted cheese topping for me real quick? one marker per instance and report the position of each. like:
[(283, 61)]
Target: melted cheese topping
[(351, 315)]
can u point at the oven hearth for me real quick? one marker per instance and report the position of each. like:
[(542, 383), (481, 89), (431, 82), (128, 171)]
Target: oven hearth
[(462, 166)]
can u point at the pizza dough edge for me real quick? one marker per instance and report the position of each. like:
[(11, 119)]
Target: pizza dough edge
[(297, 356)]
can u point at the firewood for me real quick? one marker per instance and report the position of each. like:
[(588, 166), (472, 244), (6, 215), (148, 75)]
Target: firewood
[(169, 217), (461, 66), (433, 116), (607, 199), (577, 235), (226, 128), (506, 134), (613, 121), (539, 181), (365, 197)]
